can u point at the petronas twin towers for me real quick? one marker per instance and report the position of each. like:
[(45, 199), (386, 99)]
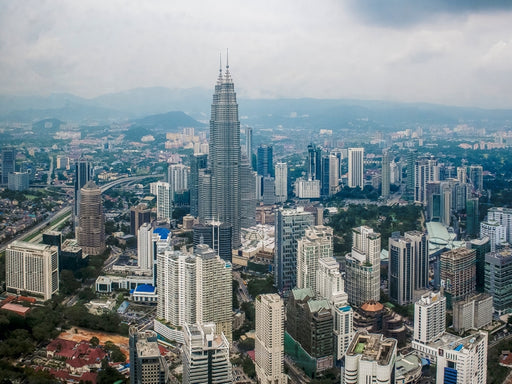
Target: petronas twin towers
[(225, 156)]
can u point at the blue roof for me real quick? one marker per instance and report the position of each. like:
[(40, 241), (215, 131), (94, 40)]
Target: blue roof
[(458, 347), (122, 308), (163, 232), (345, 309), (148, 288)]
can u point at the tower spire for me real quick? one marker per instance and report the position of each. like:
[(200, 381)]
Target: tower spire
[(219, 80), (227, 75)]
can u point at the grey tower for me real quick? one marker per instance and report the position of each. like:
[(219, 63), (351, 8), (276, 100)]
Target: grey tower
[(224, 156)]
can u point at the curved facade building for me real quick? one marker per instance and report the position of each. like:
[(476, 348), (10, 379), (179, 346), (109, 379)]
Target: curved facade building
[(91, 223)]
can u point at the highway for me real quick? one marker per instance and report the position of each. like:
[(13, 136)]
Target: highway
[(67, 210)]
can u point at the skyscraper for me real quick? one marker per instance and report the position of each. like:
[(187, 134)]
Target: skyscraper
[(32, 268), (472, 217), (197, 162), (356, 167), (426, 171), (458, 274), (401, 270), (164, 197), (216, 235), (265, 166), (145, 249), (91, 223), (269, 339), (314, 167), (225, 155), (476, 177), (178, 177), (82, 176), (429, 317), (139, 215), (147, 365), (248, 198), (281, 171), (385, 173), (8, 164), (290, 226), (334, 172)]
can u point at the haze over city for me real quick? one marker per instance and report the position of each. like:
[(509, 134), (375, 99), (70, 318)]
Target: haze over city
[(445, 52)]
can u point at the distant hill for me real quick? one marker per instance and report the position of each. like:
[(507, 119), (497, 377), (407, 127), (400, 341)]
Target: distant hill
[(168, 121)]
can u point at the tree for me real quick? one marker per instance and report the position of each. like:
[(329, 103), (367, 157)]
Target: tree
[(94, 341)]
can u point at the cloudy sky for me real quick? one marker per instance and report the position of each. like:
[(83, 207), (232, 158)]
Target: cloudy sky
[(442, 51)]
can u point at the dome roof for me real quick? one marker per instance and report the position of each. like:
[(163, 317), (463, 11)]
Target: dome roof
[(372, 306)]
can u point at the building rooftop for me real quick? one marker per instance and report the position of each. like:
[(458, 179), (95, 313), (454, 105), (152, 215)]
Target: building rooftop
[(372, 347), (302, 293), (147, 348)]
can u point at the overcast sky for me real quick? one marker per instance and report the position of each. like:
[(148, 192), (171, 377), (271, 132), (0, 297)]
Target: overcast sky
[(448, 52)]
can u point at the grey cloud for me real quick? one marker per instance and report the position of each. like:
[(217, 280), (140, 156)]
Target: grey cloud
[(407, 13)]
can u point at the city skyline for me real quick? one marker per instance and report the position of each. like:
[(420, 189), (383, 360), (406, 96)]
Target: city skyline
[(437, 52)]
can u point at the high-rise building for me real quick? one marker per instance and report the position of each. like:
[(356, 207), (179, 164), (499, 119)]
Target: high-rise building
[(82, 177), (205, 204), (248, 143), (324, 176), (401, 270), (214, 290), (498, 269), (281, 182), (248, 198), (205, 355), (164, 198), (216, 235), (197, 162), (356, 167), (269, 190), (225, 155), (429, 317), (18, 181), (363, 266), (504, 217), (290, 226), (32, 269), (8, 164), (316, 244), (147, 365), (419, 242), (474, 312), (386, 170), (139, 215), (472, 217), (482, 247), (370, 358), (265, 160), (334, 174), (145, 247), (476, 177), (426, 171), (496, 233), (411, 177), (462, 175), (269, 339), (458, 274), (314, 168), (178, 177), (91, 223)]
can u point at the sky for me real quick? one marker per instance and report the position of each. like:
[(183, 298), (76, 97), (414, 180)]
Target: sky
[(438, 51)]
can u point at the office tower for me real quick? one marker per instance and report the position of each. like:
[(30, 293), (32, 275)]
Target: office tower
[(472, 217), (496, 233), (504, 217), (32, 269), (197, 162), (476, 177), (386, 170), (324, 176), (18, 181), (145, 247), (313, 166), (419, 243), (91, 223), (164, 198), (498, 269), (411, 178), (474, 312), (290, 226), (462, 174), (205, 204), (334, 174), (401, 270), (426, 171), (307, 189), (205, 355), (8, 164), (248, 199), (178, 177), (177, 282), (363, 266), (331, 287), (482, 247), (214, 290), (269, 190), (139, 215), (281, 182), (62, 162), (310, 324), (216, 235), (265, 162), (269, 339), (225, 155), (429, 317), (248, 143), (395, 173), (370, 358), (458, 274), (147, 365), (316, 244), (356, 167), (82, 177)]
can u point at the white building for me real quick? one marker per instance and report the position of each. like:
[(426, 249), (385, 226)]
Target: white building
[(356, 167), (496, 232), (145, 247), (313, 246), (429, 317), (205, 355), (281, 182), (370, 358), (426, 171), (164, 198), (307, 189), (32, 268), (475, 312), (504, 217), (178, 176), (269, 339), (334, 174)]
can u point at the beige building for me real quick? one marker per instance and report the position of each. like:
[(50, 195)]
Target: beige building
[(91, 222)]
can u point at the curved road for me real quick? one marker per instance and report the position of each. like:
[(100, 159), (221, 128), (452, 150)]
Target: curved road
[(66, 210)]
